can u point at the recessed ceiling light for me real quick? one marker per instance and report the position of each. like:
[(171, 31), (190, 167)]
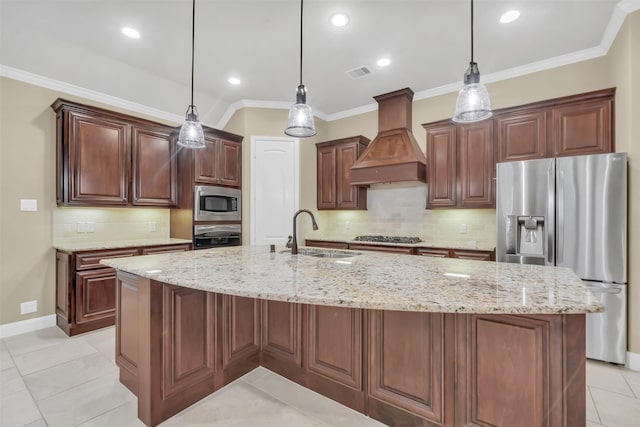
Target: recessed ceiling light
[(130, 32), (509, 16), (383, 62), (339, 20), (234, 80)]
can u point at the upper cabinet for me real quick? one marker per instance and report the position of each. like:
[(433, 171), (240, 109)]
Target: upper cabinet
[(460, 165), (570, 126), (334, 161), (109, 159), (219, 162), (154, 169)]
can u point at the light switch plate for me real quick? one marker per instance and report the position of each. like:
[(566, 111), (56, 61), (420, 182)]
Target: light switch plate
[(30, 205)]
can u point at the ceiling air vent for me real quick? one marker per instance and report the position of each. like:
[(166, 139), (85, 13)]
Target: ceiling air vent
[(360, 72)]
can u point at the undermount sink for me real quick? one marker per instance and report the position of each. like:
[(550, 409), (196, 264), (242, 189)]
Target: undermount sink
[(325, 253)]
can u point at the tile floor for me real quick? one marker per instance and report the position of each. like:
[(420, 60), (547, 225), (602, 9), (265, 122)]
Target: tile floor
[(49, 379)]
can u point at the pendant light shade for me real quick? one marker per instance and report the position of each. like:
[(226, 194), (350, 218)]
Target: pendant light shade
[(300, 123), (473, 102), (191, 134)]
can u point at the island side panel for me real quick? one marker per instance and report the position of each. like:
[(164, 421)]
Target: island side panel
[(281, 343), (240, 320), (524, 371)]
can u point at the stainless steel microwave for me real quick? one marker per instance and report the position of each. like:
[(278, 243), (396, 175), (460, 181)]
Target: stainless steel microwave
[(217, 203)]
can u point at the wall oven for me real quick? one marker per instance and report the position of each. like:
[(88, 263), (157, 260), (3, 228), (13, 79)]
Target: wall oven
[(216, 235), (217, 203)]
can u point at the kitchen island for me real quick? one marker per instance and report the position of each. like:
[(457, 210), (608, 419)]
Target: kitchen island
[(404, 339)]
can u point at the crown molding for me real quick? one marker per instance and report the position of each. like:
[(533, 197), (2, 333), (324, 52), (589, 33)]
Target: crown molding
[(48, 83)]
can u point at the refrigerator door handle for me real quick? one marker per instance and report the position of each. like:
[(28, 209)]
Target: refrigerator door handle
[(605, 290), (560, 218), (551, 209)]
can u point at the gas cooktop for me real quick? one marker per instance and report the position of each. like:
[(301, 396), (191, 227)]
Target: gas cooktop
[(388, 239)]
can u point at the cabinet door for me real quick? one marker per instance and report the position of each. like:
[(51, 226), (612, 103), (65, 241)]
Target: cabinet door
[(334, 355), (408, 250), (206, 162), (584, 128), (471, 254), (406, 368), (154, 167), (240, 330), (326, 178), (230, 166), (95, 295), (98, 162), (282, 332), (522, 136), (477, 165), (348, 196), (441, 166)]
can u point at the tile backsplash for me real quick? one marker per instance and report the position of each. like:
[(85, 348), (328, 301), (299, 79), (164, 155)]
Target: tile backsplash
[(398, 209), (109, 224)]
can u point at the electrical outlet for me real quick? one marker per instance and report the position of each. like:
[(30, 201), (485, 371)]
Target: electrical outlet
[(81, 227), (90, 227), (28, 307), (347, 225), (463, 228), (152, 226)]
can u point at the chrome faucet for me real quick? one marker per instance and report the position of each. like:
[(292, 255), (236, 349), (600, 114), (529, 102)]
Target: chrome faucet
[(293, 242)]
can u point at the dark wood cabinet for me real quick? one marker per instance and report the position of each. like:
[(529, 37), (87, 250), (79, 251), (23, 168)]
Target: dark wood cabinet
[(240, 336), (110, 159), (326, 244), (93, 158), (460, 165), (406, 368), (522, 135), (153, 167), (334, 161), (442, 166), (86, 289), (568, 126), (434, 252), (334, 354), (219, 162), (583, 128), (473, 254), (281, 342)]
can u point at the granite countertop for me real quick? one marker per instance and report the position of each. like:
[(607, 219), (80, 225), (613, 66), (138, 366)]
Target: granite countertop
[(444, 245), (116, 244), (371, 280)]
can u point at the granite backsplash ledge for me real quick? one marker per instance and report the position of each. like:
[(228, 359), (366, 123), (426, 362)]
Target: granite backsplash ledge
[(399, 210)]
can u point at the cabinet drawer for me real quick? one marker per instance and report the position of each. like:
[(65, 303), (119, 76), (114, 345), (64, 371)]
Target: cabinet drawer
[(164, 249), (89, 260), (326, 244), (471, 254), (390, 249), (433, 252)]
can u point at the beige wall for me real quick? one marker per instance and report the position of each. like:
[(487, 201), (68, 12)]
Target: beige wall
[(27, 161)]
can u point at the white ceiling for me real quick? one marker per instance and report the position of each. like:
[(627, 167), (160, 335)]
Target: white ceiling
[(78, 42)]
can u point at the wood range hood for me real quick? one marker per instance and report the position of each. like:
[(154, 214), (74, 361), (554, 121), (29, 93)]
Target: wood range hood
[(394, 154)]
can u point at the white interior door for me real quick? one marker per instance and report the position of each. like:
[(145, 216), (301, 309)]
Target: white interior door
[(274, 189)]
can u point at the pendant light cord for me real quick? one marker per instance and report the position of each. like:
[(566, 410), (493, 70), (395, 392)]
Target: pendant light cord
[(471, 30), (193, 37), (301, 8)]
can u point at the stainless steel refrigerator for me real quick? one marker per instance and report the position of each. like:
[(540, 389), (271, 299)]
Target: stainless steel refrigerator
[(572, 212)]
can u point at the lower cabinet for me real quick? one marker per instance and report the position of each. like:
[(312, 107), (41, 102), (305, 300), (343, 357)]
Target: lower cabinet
[(281, 342), (174, 344), (334, 354), (86, 289)]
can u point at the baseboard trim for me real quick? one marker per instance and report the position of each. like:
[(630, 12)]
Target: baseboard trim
[(633, 361), (30, 325)]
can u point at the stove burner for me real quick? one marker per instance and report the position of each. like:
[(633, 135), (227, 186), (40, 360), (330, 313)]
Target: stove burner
[(388, 239)]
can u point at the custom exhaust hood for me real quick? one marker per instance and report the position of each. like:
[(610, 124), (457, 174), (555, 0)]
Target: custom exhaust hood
[(394, 154)]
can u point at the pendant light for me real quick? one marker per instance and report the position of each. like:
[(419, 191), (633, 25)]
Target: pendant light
[(473, 102), (300, 123), (191, 134)]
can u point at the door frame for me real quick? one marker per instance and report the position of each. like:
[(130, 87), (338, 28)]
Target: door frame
[(296, 184)]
